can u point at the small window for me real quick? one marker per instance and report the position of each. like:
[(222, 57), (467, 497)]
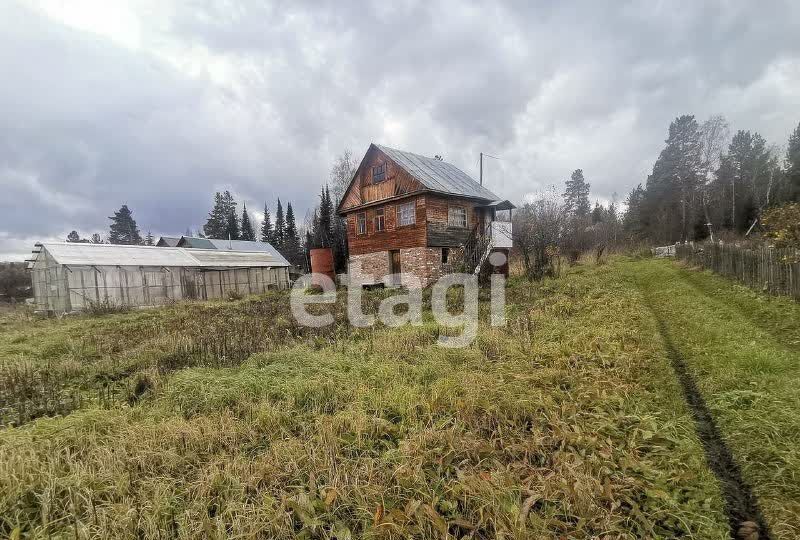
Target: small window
[(456, 216), (407, 214), (362, 223), (380, 223), (445, 255), (379, 173)]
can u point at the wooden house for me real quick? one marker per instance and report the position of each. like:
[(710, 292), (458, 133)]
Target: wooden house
[(420, 215)]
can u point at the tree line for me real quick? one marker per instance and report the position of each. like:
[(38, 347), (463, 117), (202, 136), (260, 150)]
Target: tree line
[(704, 184), (324, 228)]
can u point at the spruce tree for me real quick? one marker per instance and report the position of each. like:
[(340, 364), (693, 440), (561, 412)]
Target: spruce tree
[(291, 240), (266, 227), (247, 227), (232, 230), (123, 228), (217, 219), (73, 237), (149, 240), (576, 195), (280, 227)]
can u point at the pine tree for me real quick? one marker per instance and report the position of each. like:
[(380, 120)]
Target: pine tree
[(97, 239), (247, 227), (576, 195), (149, 240), (73, 237), (280, 227), (266, 227), (123, 228), (217, 219)]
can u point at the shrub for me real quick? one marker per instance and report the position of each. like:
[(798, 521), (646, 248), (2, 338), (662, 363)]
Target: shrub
[(783, 225)]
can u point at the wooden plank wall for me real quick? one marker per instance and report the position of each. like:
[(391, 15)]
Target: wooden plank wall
[(393, 237), (362, 191)]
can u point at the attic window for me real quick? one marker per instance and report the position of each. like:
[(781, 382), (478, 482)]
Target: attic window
[(379, 173)]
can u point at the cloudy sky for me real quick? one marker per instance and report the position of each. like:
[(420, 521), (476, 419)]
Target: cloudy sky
[(158, 104)]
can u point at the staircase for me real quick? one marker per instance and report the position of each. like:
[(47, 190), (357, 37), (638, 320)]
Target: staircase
[(477, 249)]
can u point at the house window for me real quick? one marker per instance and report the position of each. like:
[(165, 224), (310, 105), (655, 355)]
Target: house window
[(362, 223), (407, 214), (379, 173), (456, 216), (445, 255), (380, 223)]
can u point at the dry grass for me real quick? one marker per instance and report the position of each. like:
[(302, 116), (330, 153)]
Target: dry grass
[(227, 420)]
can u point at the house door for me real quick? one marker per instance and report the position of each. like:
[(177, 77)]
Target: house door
[(394, 261)]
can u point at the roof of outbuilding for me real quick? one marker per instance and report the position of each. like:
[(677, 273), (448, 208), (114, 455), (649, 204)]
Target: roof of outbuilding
[(438, 175), (79, 254), (168, 241), (231, 245)]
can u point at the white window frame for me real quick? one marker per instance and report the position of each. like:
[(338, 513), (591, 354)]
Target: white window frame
[(455, 215), (360, 222), (380, 218), (407, 214)]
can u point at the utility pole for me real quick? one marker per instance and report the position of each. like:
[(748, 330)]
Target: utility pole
[(481, 169)]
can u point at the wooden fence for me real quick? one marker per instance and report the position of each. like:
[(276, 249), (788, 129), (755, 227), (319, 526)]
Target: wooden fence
[(771, 270)]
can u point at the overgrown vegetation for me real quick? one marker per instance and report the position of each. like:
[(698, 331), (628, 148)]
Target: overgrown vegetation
[(227, 419)]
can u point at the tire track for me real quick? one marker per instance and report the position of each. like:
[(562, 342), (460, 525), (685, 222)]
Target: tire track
[(741, 505)]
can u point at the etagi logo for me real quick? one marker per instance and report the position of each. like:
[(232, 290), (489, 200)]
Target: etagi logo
[(466, 320)]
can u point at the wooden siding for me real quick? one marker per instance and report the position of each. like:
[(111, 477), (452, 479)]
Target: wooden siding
[(393, 236), (362, 191), (439, 232)]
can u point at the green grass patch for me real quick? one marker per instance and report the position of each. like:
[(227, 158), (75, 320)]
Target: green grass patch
[(742, 349), (227, 420)]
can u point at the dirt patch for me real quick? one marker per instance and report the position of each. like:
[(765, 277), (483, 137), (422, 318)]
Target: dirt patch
[(741, 506)]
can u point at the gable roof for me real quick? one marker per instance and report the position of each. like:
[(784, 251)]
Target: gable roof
[(231, 245), (437, 175), (433, 174), (168, 241), (80, 254)]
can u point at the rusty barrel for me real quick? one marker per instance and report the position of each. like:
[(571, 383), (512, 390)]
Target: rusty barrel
[(322, 263)]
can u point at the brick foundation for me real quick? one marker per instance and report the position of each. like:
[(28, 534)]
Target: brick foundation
[(423, 262), (374, 265)]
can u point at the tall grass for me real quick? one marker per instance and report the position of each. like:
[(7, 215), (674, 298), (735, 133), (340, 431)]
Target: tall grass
[(565, 423)]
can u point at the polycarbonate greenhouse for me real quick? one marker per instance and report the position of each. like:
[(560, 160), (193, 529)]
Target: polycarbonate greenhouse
[(70, 277)]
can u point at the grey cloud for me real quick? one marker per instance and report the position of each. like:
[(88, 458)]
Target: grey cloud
[(275, 90)]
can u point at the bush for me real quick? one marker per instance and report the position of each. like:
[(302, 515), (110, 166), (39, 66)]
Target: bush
[(105, 307), (783, 225), (15, 282)]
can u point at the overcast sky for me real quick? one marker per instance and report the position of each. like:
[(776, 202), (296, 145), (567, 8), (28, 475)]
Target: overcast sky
[(158, 104)]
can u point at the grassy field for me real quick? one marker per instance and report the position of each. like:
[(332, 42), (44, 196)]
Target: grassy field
[(227, 420)]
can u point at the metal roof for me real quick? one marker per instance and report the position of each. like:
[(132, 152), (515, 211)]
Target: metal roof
[(168, 241), (79, 254), (438, 175), (231, 245)]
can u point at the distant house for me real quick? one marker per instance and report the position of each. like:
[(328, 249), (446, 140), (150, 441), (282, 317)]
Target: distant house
[(70, 277), (421, 215)]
